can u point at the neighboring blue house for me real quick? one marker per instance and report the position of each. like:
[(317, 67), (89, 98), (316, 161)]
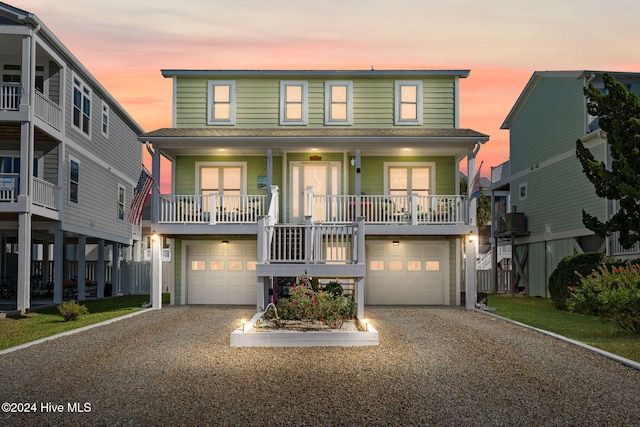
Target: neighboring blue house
[(548, 189)]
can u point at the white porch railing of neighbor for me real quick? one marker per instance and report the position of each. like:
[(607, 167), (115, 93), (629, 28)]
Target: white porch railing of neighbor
[(387, 209), (618, 251), (9, 187), (211, 208), (45, 194), (10, 94), (48, 111)]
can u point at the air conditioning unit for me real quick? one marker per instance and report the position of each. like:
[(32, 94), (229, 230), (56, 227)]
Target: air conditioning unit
[(513, 221)]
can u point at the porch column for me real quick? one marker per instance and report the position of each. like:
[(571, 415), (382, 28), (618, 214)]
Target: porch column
[(100, 269), (115, 270), (58, 265), (471, 287), (24, 262), (155, 191), (82, 267), (156, 273), (46, 265), (360, 260), (269, 175), (358, 184)]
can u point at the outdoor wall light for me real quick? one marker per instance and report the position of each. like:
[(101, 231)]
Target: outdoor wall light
[(225, 242), (154, 237), (353, 161), (396, 243)]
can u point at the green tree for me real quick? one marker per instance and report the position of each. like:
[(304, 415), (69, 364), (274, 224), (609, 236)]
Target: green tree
[(618, 110)]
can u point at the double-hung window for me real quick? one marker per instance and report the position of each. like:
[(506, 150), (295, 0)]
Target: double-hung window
[(121, 202), (105, 119), (294, 108), (221, 105), (338, 103), (74, 180), (408, 102), (81, 106)]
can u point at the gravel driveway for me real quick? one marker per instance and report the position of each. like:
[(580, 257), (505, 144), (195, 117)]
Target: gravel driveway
[(434, 366)]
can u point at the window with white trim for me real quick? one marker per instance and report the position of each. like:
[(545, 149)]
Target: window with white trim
[(81, 106), (221, 102), (294, 108), (522, 191), (121, 202), (408, 102), (74, 180), (338, 103), (105, 119)]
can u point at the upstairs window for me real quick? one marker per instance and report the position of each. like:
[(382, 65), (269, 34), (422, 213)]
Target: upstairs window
[(408, 103), (221, 97), (338, 103), (81, 106), (293, 103), (121, 201), (74, 180), (105, 119)]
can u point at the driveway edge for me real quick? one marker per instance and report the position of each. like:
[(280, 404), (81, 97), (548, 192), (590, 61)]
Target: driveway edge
[(73, 331), (620, 359)]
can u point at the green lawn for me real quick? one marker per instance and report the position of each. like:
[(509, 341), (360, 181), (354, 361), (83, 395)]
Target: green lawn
[(540, 313), (48, 321)]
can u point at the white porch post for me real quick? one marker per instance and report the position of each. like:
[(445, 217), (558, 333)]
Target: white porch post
[(58, 265), (100, 269), (82, 267), (24, 217), (156, 273), (471, 286), (115, 270), (360, 259)]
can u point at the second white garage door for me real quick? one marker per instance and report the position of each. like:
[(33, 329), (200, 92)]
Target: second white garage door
[(220, 273), (409, 273)]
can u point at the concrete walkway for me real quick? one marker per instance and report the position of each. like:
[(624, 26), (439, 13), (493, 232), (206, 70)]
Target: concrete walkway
[(434, 366)]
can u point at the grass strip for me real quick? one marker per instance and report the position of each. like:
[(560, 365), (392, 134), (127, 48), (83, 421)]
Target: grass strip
[(48, 321), (540, 313)]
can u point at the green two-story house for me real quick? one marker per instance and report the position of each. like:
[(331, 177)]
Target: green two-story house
[(347, 175)]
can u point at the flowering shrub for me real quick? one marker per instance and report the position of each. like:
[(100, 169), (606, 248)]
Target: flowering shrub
[(305, 304), (613, 294)]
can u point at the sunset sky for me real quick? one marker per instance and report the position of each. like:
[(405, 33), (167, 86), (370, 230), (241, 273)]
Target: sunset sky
[(125, 44)]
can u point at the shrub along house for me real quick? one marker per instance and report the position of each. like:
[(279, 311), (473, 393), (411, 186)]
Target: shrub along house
[(348, 175)]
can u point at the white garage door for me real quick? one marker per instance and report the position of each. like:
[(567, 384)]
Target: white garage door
[(220, 273), (409, 273)]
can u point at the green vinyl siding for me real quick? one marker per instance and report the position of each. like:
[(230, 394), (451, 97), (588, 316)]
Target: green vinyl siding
[(185, 180), (258, 100), (550, 121), (372, 175), (556, 196)]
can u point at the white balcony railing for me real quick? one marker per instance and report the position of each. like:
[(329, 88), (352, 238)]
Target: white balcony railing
[(48, 111), (45, 194), (211, 209), (10, 95), (386, 209), (9, 187), (312, 243)]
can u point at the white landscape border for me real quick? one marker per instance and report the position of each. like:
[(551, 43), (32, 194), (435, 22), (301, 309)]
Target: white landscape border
[(246, 336)]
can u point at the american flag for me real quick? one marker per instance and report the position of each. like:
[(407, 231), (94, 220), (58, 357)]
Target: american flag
[(475, 184), (140, 194)]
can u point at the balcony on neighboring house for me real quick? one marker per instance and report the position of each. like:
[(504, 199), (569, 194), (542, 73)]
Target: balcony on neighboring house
[(45, 194), (10, 96)]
